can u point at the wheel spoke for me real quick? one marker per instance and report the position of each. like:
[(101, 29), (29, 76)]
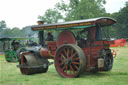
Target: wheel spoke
[(66, 68), (68, 61), (67, 54), (73, 55), (72, 51), (63, 56), (76, 63), (62, 63), (76, 66), (62, 60), (71, 69), (65, 51), (63, 68), (75, 59)]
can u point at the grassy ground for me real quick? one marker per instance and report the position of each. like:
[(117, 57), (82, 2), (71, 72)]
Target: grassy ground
[(10, 74)]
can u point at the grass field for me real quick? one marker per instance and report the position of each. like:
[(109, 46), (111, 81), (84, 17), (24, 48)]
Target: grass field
[(10, 74)]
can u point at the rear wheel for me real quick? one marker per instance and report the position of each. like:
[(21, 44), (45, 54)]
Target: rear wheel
[(69, 61), (108, 61)]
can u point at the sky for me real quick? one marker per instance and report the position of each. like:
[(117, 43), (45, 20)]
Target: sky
[(21, 13)]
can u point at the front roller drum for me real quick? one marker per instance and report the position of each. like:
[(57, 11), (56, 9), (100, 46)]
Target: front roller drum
[(32, 63), (70, 61), (30, 71)]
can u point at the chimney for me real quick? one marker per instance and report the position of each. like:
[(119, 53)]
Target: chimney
[(40, 22)]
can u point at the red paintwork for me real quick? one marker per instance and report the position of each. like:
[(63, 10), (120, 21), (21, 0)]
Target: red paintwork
[(70, 59), (92, 47), (64, 70), (93, 52), (65, 37), (22, 56), (50, 51), (118, 42), (52, 47), (44, 52)]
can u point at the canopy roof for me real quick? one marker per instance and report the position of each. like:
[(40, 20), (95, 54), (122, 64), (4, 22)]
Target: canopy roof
[(102, 21)]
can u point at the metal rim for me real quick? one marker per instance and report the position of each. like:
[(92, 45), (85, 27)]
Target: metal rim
[(24, 70), (69, 61)]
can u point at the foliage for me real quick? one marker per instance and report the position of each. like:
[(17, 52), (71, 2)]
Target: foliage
[(6, 33), (15, 31), (74, 10), (122, 19), (51, 16), (28, 32), (84, 9), (2, 25)]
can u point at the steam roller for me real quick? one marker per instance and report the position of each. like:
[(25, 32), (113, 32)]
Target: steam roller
[(32, 63), (73, 52)]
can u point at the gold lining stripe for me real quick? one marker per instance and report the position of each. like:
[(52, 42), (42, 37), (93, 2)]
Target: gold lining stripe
[(61, 26)]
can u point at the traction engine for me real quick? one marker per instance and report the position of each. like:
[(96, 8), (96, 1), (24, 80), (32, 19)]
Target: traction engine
[(72, 54)]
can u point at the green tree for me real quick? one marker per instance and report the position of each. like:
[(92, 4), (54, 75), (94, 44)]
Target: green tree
[(82, 9), (27, 32), (3, 28), (6, 33), (16, 32), (122, 22), (51, 16), (74, 10), (2, 25)]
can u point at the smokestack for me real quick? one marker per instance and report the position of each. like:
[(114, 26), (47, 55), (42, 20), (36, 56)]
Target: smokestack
[(40, 22)]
